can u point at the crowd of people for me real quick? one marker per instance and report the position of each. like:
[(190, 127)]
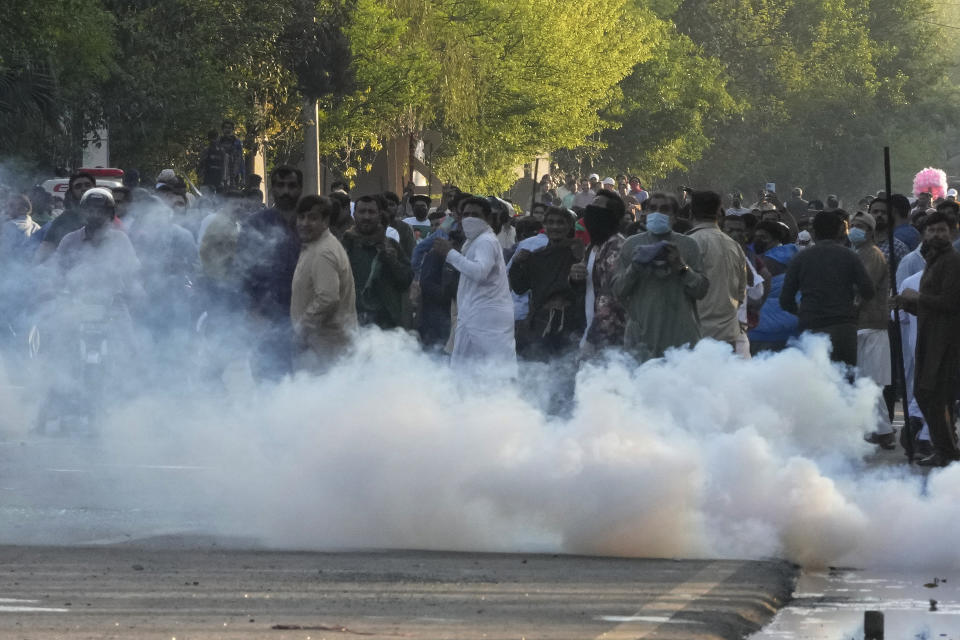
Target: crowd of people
[(594, 265)]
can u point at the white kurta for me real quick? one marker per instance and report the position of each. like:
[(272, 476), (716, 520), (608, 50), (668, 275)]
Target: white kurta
[(484, 304)]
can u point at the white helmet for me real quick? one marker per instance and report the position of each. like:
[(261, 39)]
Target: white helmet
[(98, 198)]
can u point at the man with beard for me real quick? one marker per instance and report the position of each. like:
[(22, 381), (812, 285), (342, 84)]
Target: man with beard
[(659, 280), (879, 210), (914, 262), (323, 306), (937, 307), (555, 319), (484, 329), (381, 270), (605, 316), (267, 252)]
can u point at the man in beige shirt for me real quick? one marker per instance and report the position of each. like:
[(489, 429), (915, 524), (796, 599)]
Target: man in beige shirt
[(323, 307), (724, 265)]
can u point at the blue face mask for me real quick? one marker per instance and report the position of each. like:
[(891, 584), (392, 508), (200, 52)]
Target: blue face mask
[(857, 236), (658, 223)]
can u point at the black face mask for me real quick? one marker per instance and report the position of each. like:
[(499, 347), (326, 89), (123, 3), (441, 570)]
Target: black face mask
[(601, 223), (759, 247)]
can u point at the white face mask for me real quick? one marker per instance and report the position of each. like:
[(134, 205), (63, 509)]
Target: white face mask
[(473, 227)]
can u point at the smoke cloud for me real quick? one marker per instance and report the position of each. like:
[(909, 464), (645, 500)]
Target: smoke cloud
[(700, 454)]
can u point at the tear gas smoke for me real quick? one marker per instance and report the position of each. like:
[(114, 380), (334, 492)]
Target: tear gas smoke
[(697, 455)]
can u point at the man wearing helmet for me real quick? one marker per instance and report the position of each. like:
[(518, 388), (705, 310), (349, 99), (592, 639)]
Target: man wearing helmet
[(98, 256)]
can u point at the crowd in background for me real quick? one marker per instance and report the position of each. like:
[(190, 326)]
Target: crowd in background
[(594, 265)]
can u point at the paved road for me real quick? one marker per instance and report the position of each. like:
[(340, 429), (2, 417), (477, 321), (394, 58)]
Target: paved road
[(200, 591)]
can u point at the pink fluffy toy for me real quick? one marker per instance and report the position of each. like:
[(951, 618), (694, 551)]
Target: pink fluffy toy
[(932, 181)]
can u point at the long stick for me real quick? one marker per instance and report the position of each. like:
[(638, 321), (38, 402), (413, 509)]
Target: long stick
[(896, 337), (533, 192)]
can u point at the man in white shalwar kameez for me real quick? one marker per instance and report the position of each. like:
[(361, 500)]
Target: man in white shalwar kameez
[(484, 304)]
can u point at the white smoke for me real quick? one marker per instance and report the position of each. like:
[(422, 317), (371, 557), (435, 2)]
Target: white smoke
[(697, 455)]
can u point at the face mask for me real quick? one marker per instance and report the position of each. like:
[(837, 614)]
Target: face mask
[(759, 247), (857, 236), (473, 227), (658, 223)]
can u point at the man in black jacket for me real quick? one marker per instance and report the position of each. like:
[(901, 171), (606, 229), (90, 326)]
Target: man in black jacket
[(829, 277)]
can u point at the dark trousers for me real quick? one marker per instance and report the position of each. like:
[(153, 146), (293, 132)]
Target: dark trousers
[(937, 404), (843, 339)]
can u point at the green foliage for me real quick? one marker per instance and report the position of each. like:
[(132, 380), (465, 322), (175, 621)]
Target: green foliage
[(53, 55), (825, 84)]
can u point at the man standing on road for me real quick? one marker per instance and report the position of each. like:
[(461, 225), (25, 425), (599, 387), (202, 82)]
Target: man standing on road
[(724, 266), (381, 270), (873, 342), (659, 281), (829, 277), (605, 317), (267, 252), (484, 328), (323, 305), (937, 307)]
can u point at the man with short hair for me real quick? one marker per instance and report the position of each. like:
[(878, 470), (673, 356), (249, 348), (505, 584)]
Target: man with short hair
[(797, 206), (268, 248), (873, 342), (485, 328), (937, 307), (585, 196), (659, 280), (829, 278), (323, 306), (724, 266), (381, 269), (420, 204)]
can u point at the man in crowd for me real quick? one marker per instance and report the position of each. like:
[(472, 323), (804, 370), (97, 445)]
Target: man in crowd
[(323, 305), (18, 231), (585, 196), (168, 254), (381, 270), (829, 278), (70, 219), (878, 209), (555, 321), (420, 204), (405, 235), (937, 307), (484, 329), (724, 266), (605, 316), (914, 261), (233, 155), (797, 206), (213, 163), (267, 252), (659, 280), (873, 342)]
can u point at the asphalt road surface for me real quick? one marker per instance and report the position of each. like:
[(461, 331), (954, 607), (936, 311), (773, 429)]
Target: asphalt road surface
[(153, 589)]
